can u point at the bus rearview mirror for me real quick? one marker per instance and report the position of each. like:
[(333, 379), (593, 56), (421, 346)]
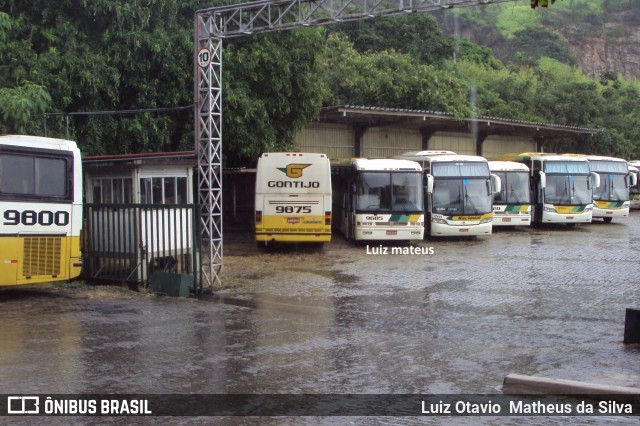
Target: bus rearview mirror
[(429, 185), (595, 180), (496, 183)]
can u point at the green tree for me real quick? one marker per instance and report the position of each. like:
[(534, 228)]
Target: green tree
[(390, 79), (104, 55), (416, 35), (20, 98), (499, 92), (468, 51), (272, 89), (530, 44)]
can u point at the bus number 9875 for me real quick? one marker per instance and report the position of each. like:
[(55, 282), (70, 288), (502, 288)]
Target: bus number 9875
[(293, 209)]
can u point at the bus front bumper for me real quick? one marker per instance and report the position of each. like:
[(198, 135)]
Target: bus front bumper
[(451, 230)]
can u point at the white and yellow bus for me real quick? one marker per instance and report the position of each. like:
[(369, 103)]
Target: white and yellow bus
[(378, 199), (41, 204), (459, 191), (293, 198), (561, 187), (611, 197), (512, 205), (634, 191)]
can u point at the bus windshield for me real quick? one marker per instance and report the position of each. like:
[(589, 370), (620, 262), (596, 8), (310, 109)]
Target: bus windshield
[(460, 169), (461, 196), (612, 188), (567, 167), (567, 190), (515, 188), (385, 191)]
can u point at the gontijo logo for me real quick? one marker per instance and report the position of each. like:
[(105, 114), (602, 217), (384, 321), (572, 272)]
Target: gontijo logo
[(294, 170)]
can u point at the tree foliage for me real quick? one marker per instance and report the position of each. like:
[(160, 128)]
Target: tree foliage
[(416, 35), (103, 55), (531, 44), (75, 56), (389, 79), (272, 89), (79, 56)]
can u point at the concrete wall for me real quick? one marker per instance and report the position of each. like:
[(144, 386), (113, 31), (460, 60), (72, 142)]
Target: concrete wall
[(338, 141)]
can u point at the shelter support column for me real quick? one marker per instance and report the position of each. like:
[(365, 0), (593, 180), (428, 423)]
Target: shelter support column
[(480, 138), (426, 133), (540, 141), (358, 143)]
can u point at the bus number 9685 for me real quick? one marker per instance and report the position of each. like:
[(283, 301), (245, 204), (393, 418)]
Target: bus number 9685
[(293, 209), (31, 217)]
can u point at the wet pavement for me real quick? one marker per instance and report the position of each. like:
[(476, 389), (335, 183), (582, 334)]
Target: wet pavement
[(452, 318)]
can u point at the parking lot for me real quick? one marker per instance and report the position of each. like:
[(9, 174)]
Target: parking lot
[(446, 317)]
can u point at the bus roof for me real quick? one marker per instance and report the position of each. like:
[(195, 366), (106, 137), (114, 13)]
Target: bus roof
[(292, 155), (604, 158), (378, 164), (428, 153), (543, 156), (507, 166), (37, 142), (441, 158)]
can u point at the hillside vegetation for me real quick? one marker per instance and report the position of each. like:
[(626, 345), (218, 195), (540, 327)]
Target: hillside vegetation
[(77, 57)]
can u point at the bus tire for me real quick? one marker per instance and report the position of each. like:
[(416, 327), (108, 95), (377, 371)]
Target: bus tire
[(607, 219)]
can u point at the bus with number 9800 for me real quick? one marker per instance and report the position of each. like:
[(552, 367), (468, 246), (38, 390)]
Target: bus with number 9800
[(40, 208)]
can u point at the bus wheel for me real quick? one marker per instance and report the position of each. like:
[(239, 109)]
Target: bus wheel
[(607, 219)]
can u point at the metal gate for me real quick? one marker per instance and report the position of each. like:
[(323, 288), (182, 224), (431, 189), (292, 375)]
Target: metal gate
[(129, 242)]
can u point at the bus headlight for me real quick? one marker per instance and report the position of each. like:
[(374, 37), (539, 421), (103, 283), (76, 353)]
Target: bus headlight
[(588, 209), (487, 220), (442, 221), (550, 209)]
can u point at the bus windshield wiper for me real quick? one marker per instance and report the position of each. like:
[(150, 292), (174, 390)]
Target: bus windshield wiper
[(467, 198)]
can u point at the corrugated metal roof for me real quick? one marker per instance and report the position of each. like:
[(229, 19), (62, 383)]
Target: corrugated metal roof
[(437, 120), (139, 156)]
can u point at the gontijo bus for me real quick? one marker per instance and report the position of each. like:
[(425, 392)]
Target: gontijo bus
[(512, 205), (561, 187), (377, 199), (611, 197), (41, 208), (459, 191), (293, 198)]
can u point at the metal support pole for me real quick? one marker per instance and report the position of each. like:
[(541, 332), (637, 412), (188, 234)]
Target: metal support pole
[(208, 130)]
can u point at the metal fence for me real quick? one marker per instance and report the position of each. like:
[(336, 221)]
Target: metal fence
[(129, 242)]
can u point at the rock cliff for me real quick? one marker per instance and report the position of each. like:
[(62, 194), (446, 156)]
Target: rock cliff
[(615, 47)]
